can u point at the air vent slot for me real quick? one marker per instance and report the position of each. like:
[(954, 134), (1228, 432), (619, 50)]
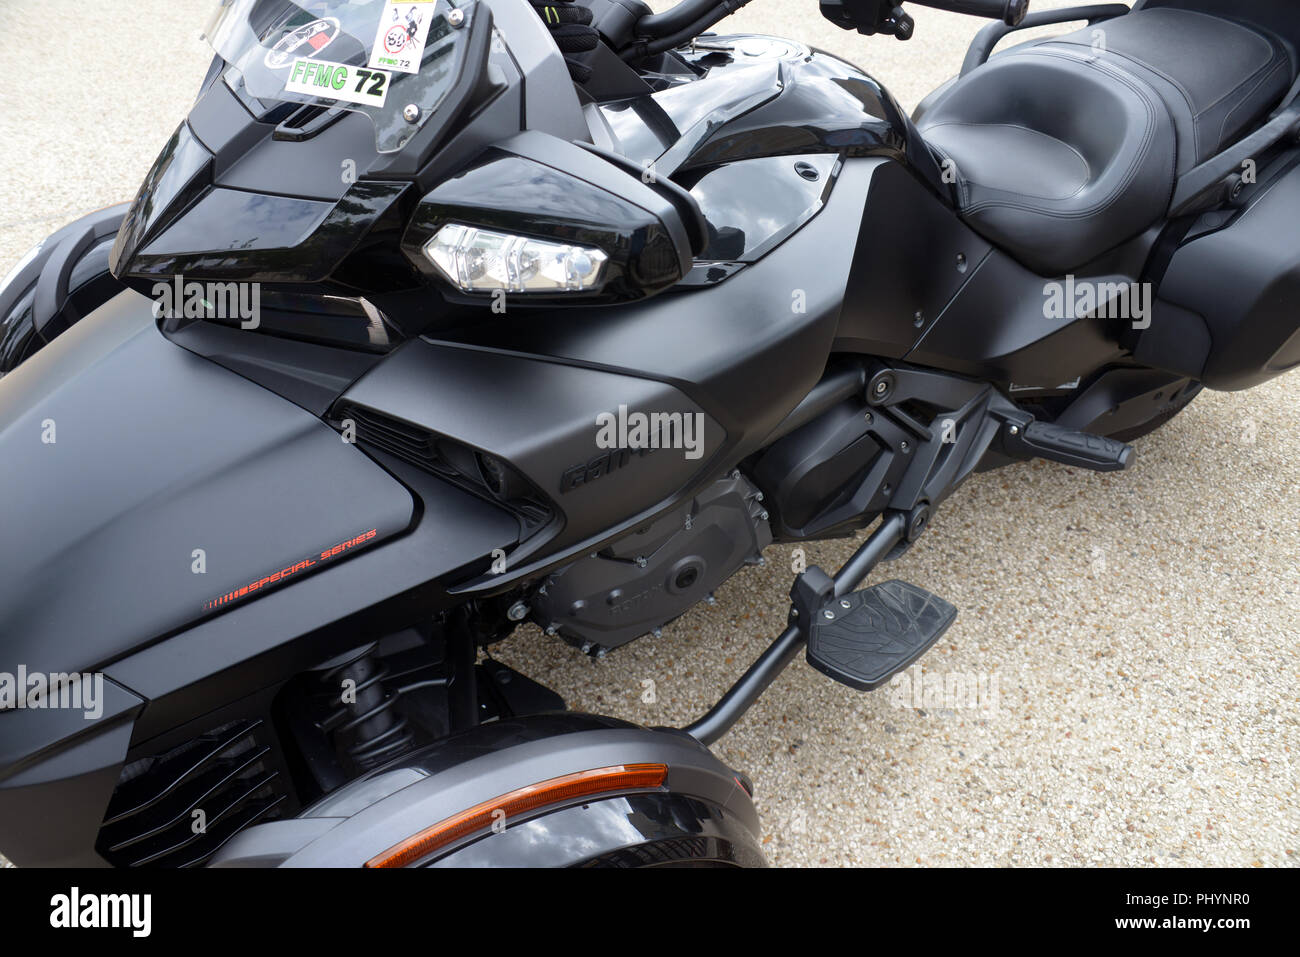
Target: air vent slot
[(447, 459), (229, 775)]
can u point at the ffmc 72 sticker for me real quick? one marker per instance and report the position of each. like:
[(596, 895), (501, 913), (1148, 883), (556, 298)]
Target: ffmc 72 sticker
[(338, 81)]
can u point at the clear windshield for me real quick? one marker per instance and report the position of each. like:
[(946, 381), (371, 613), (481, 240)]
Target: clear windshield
[(394, 60)]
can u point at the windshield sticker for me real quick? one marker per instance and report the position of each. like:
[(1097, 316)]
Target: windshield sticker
[(403, 33), (338, 81), (305, 41)]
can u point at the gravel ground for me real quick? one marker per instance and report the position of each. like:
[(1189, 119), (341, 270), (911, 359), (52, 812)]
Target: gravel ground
[(1131, 640)]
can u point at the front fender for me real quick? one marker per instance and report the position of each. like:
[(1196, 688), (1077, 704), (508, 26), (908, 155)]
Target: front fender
[(701, 813)]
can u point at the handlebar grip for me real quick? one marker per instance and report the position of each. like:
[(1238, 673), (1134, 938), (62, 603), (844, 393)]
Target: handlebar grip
[(1010, 12)]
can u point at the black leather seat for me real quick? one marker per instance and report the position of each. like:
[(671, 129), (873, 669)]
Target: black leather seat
[(1067, 147)]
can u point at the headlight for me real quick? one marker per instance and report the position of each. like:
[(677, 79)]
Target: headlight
[(593, 233), (479, 260)]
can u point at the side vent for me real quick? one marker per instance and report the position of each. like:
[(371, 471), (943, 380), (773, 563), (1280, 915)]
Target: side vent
[(475, 472), (229, 775)]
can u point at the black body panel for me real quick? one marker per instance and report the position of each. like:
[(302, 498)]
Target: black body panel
[(1232, 291), (157, 453), (542, 420)]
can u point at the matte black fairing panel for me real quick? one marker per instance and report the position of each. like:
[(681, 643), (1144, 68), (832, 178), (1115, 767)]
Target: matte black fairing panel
[(541, 418), (157, 453)]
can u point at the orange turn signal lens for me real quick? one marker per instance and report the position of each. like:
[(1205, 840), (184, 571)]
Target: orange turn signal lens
[(620, 777)]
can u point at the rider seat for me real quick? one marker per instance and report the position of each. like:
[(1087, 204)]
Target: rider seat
[(1064, 148)]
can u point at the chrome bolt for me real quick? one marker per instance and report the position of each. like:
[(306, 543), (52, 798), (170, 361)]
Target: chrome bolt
[(602, 651), (658, 632), (586, 647), (904, 446), (1015, 430), (758, 497), (456, 17), (763, 515), (518, 611), (411, 113), (640, 560), (869, 418), (690, 522), (828, 615), (709, 599), (845, 603), (551, 629), (882, 387), (794, 612)]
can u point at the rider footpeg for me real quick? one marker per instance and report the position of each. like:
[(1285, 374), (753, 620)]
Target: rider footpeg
[(1057, 444), (865, 638)]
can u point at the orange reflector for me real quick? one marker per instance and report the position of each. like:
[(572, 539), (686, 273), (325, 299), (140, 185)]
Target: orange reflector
[(620, 777)]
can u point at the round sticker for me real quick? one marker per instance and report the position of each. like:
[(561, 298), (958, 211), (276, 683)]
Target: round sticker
[(395, 39), (305, 41)]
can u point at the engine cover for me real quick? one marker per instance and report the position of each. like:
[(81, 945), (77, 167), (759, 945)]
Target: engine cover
[(658, 572)]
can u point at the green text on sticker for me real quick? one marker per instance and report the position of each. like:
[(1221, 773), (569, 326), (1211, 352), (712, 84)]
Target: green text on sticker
[(330, 75)]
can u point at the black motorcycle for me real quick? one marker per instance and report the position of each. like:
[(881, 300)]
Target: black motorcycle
[(565, 323)]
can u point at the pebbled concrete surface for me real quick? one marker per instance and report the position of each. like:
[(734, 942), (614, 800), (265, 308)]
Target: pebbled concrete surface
[(1135, 634)]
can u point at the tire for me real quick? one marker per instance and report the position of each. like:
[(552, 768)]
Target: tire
[(1151, 425)]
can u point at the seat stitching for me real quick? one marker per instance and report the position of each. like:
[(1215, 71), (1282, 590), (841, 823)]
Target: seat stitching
[(1130, 175), (1246, 99), (1025, 129), (1263, 68), (963, 197)]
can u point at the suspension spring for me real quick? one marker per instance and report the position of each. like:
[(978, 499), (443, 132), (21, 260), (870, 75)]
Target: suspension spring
[(375, 732)]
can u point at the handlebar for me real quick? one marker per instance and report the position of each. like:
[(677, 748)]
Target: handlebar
[(690, 13), (1010, 12)]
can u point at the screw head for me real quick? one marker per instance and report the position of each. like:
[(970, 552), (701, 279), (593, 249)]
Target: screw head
[(410, 113), (845, 603), (828, 615), (1015, 430), (904, 446), (518, 611), (882, 387), (456, 17), (640, 560)]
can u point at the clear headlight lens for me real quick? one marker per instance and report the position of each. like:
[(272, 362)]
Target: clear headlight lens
[(480, 260)]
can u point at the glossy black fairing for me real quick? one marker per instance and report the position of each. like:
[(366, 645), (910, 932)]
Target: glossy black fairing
[(240, 191), (645, 256)]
